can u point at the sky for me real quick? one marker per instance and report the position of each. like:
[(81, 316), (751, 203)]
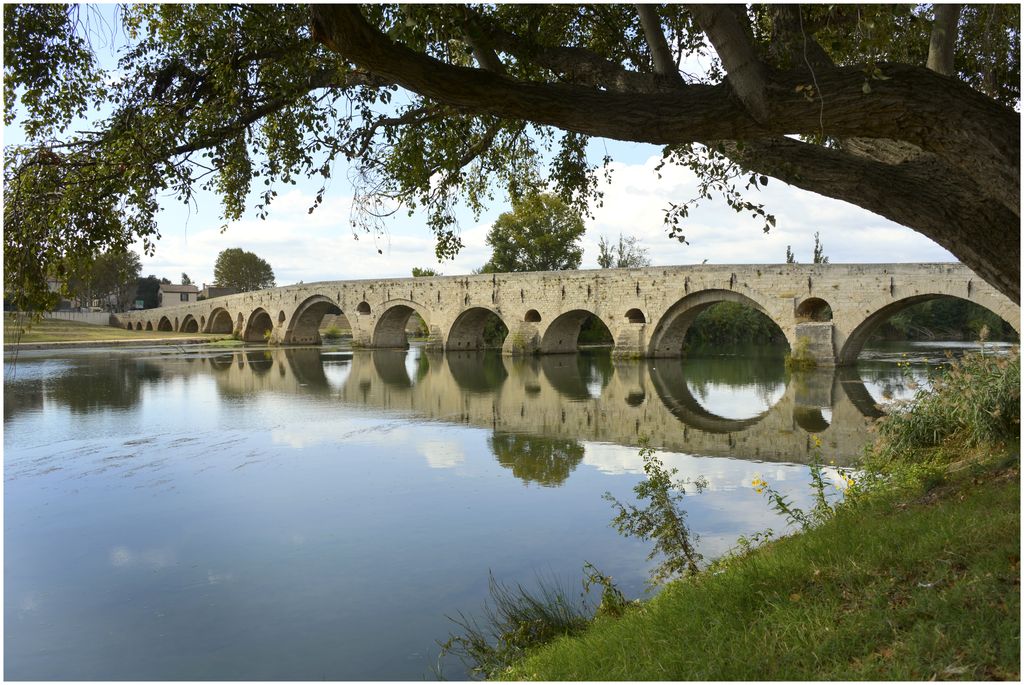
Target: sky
[(321, 246)]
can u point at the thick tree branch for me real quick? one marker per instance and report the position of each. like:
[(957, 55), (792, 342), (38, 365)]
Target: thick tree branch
[(747, 74), (579, 66), (661, 56), (943, 40), (924, 194)]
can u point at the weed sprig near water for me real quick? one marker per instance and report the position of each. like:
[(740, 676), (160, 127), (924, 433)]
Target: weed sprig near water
[(515, 620)]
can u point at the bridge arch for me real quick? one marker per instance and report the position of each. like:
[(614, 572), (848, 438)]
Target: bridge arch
[(470, 331), (189, 324), (257, 326), (563, 333), (304, 326), (138, 325), (149, 325), (390, 328), (219, 322), (164, 324), (670, 332), (856, 340)]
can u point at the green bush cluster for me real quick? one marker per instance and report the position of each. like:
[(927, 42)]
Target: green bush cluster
[(332, 333), (727, 323), (944, 318), (973, 401)]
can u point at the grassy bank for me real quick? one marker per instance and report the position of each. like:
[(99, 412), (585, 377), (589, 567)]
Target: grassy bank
[(59, 330), (918, 577), (909, 591)]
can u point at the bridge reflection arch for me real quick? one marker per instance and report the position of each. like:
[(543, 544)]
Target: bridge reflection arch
[(672, 387)]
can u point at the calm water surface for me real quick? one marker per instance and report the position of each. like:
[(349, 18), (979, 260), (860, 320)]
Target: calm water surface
[(308, 514)]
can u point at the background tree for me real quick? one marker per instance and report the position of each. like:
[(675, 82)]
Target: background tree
[(541, 233), (626, 254), (225, 97), (790, 257), (117, 274), (424, 272), (109, 274), (242, 270), (147, 289), (185, 280), (819, 251)]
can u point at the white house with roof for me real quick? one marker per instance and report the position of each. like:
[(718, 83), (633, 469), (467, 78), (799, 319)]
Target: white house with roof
[(173, 294)]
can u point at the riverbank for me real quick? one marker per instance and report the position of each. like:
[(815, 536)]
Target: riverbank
[(50, 334), (898, 590), (918, 578)]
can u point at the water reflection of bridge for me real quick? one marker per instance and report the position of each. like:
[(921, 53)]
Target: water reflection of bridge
[(570, 397), (562, 398)]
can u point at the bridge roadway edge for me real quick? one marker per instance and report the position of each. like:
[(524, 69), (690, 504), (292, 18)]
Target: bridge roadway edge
[(646, 310)]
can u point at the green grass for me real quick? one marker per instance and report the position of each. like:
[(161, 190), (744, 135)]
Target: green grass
[(58, 330), (887, 590)]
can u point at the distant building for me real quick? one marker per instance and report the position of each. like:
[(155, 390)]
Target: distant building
[(210, 291), (171, 294)]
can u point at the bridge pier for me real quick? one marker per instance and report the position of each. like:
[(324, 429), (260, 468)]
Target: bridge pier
[(523, 340), (815, 342)]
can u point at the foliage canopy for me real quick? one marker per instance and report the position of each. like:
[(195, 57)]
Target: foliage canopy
[(541, 233), (905, 110), (242, 270)]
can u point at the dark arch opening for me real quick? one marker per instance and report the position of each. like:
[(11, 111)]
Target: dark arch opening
[(636, 316), (814, 309), (177, 326), (259, 327), (280, 317), (477, 328), (190, 325), (164, 324), (220, 322), (574, 329), (532, 316), (149, 325), (308, 319), (391, 327), (930, 317), (715, 318), (363, 308), (202, 322), (138, 326)]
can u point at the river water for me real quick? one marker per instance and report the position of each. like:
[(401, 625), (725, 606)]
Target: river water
[(306, 514)]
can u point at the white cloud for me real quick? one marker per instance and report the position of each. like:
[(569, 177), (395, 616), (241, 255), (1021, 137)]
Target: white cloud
[(442, 454)]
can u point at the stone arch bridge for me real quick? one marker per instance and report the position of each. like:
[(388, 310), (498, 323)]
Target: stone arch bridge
[(826, 311)]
